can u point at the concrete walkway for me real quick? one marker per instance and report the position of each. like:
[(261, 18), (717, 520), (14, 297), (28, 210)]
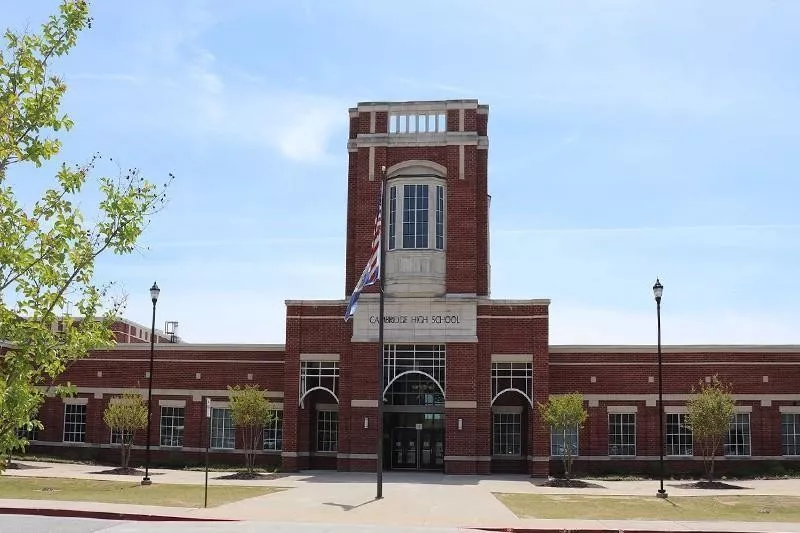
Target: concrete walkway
[(419, 499)]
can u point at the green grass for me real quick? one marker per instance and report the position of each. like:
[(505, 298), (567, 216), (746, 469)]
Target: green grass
[(734, 508), (88, 490)]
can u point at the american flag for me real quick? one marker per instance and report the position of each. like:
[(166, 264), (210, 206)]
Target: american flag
[(372, 272)]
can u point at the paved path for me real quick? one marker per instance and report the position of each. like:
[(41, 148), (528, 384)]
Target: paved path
[(422, 499)]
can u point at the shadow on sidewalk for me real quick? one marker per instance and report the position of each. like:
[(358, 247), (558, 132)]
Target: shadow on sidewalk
[(346, 507)]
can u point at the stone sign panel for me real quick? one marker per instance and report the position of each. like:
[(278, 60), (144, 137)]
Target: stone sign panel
[(415, 320)]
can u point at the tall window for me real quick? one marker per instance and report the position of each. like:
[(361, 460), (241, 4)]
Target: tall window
[(678, 435), (273, 432), (558, 444), (415, 216), (319, 374), (222, 430), (419, 230), (622, 434), (507, 434), (415, 389), (512, 375), (172, 426), (327, 431), (74, 423), (790, 433), (440, 218), (119, 436), (737, 441), (392, 217)]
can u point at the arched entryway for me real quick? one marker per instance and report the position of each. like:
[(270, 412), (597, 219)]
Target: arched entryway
[(413, 423), (511, 420)]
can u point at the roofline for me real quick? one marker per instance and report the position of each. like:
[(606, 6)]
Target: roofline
[(531, 301), (185, 346), (482, 300), (676, 348)]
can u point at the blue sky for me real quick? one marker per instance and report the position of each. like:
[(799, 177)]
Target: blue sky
[(628, 140)]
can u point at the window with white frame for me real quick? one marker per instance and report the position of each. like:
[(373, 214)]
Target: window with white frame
[(416, 200), (273, 432), (506, 433), (172, 425), (319, 374), (737, 441), (560, 440), (622, 434), (327, 431), (417, 123), (678, 435), (790, 433), (223, 435), (426, 358), (74, 423), (121, 436), (513, 375)]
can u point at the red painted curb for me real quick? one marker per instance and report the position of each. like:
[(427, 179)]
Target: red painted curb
[(106, 515)]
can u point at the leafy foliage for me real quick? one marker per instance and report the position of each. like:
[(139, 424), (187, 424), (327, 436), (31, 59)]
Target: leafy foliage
[(709, 415), (48, 249), (563, 413), (126, 414), (250, 411)]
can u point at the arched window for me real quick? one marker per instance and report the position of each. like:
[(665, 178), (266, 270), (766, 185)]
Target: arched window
[(417, 207)]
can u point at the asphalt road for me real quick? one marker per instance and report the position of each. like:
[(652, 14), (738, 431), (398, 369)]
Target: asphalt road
[(47, 524)]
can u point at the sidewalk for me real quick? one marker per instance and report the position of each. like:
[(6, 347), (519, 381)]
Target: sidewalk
[(419, 499)]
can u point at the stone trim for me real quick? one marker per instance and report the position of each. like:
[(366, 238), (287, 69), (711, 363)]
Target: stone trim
[(316, 303), (536, 301), (675, 409), (449, 138), (372, 456), (202, 347), (75, 401), (684, 397), (220, 404), (195, 394), (295, 454), (789, 409), (372, 155), (744, 409), (621, 409), (460, 404), (396, 169), (163, 360), (512, 317), (363, 403), (319, 356), (465, 458), (172, 403), (417, 106), (512, 358), (327, 407)]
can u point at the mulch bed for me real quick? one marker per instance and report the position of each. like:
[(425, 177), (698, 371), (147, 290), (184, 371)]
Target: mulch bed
[(251, 475), (570, 484), (123, 472), (709, 485)]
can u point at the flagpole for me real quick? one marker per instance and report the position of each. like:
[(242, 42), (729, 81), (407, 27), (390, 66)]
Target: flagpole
[(382, 284)]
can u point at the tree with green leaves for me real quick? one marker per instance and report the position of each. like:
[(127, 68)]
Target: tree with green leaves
[(563, 413), (709, 415), (48, 247), (125, 415), (250, 411)]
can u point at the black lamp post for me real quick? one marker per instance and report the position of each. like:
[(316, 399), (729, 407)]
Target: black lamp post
[(154, 291), (658, 289)]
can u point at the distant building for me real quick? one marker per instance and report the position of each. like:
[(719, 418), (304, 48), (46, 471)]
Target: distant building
[(463, 372)]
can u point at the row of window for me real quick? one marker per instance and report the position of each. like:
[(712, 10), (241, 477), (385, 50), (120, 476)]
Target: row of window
[(222, 432), (507, 435), (417, 123)]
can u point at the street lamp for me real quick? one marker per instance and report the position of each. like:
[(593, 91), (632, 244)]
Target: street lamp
[(154, 291), (658, 289)]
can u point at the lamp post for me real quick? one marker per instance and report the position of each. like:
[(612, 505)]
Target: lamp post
[(154, 291), (658, 289)]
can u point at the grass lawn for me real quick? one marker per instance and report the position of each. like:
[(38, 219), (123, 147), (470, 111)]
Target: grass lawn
[(40, 488), (737, 508)]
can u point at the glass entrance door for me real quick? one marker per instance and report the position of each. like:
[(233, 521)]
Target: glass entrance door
[(405, 452), (415, 441)]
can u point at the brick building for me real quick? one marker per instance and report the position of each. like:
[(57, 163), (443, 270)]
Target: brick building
[(462, 371)]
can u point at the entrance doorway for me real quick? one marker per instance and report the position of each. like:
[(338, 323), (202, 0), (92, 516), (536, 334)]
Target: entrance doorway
[(416, 441)]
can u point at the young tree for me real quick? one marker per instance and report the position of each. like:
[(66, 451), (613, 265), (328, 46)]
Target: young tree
[(48, 247), (250, 411), (125, 415), (563, 413), (709, 415)]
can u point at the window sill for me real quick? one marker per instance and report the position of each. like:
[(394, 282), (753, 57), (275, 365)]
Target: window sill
[(332, 453), (506, 457), (623, 457)]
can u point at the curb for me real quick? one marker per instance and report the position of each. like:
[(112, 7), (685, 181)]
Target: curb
[(588, 530), (106, 515)]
